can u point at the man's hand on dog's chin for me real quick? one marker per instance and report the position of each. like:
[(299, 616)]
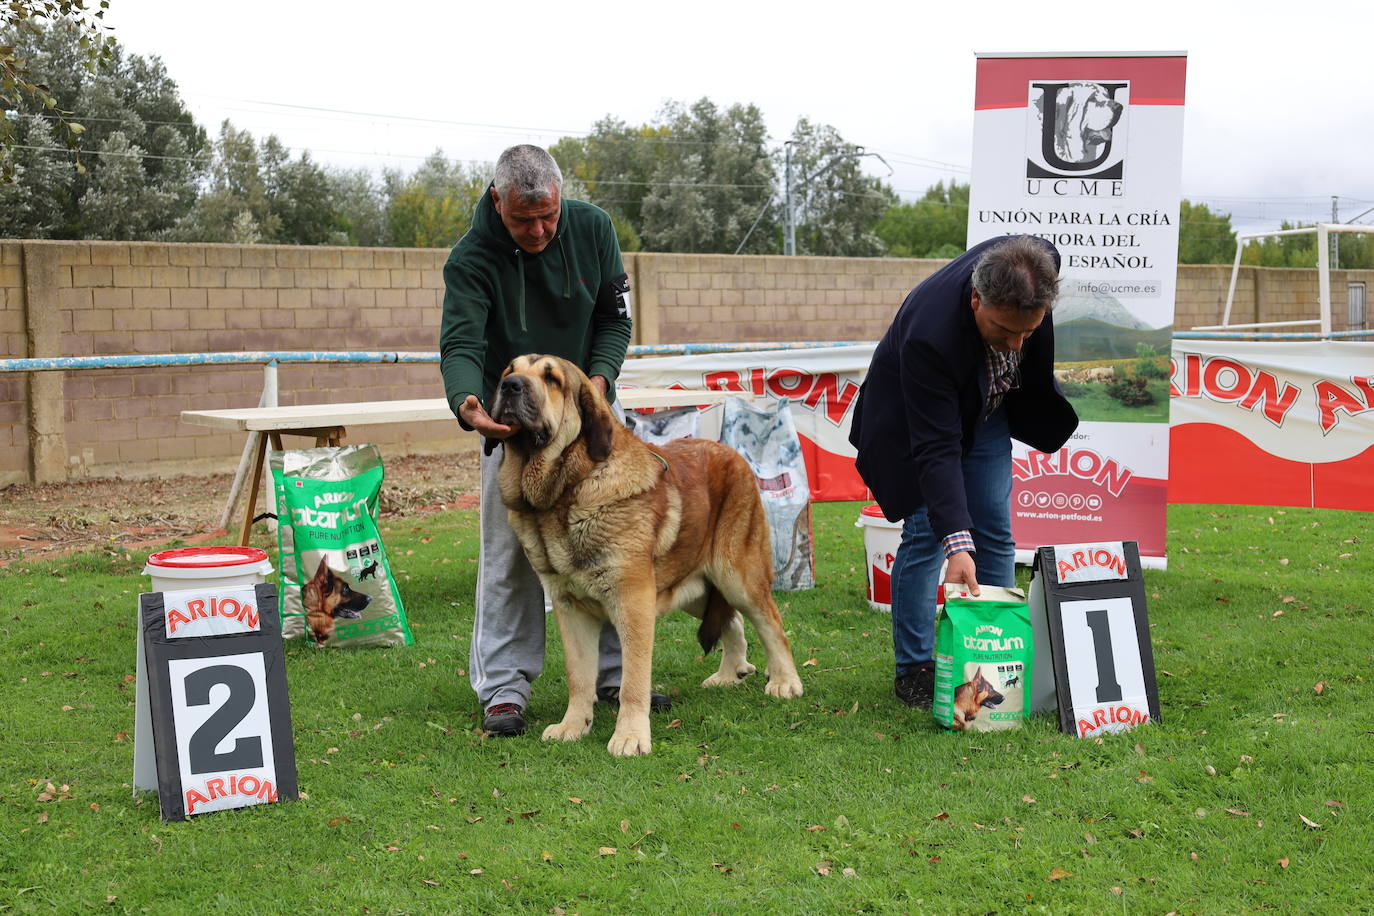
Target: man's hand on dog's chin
[(474, 415), (963, 571)]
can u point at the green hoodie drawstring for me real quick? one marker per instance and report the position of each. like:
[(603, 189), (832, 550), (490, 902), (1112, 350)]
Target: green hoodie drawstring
[(567, 269), (567, 277), (520, 260)]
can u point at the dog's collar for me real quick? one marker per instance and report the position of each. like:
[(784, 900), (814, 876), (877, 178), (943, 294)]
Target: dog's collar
[(660, 458)]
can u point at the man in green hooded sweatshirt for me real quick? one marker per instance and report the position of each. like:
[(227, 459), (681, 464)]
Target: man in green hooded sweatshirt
[(536, 273)]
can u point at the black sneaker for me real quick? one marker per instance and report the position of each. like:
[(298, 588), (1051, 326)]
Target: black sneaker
[(504, 720), (916, 688), (658, 702)]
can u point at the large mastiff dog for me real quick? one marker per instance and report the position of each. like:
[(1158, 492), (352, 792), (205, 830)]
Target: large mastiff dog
[(624, 531)]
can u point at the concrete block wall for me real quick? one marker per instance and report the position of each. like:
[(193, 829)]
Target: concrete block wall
[(107, 298), (114, 298), (692, 298)]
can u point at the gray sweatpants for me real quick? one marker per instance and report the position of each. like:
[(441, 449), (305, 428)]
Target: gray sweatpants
[(507, 651)]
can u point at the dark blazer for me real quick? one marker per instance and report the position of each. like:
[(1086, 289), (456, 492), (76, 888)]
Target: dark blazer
[(925, 393)]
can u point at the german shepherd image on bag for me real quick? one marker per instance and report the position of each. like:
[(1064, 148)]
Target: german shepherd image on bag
[(328, 595), (983, 659)]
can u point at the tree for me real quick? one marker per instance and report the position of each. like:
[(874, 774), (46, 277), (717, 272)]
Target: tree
[(935, 226), (158, 157), (21, 87), (837, 207), (433, 207), (1204, 236), (712, 181), (1282, 250), (31, 204)]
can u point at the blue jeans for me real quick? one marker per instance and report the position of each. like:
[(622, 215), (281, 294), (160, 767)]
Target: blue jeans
[(916, 569)]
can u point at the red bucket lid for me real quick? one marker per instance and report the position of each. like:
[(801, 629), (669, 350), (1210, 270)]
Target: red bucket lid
[(207, 557), (873, 511)]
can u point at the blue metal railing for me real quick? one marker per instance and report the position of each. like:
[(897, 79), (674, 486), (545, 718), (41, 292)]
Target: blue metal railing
[(261, 357)]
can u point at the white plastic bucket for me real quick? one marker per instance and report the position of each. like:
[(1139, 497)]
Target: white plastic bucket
[(207, 568), (881, 539)]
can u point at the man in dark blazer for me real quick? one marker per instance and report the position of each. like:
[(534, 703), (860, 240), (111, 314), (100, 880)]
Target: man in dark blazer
[(966, 366)]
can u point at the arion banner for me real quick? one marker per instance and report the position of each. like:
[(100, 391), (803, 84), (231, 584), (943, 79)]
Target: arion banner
[(1086, 151), (819, 384), (1273, 423)]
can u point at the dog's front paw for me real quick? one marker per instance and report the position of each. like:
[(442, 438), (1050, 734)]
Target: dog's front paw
[(567, 731), (629, 744), (784, 688), (727, 677)]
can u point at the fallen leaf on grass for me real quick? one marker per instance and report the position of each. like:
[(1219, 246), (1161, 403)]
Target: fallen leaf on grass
[(575, 800), (1027, 799), (814, 828), (1332, 803), (1116, 890), (546, 856), (607, 851), (676, 723), (430, 881), (1237, 812), (1318, 687), (1278, 613), (849, 873), (1280, 715), (1058, 874), (1309, 822), (1090, 838), (942, 816), (336, 821), (1283, 863), (810, 663)]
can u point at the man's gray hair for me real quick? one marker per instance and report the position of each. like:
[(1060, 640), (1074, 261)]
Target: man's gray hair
[(527, 171), (1018, 273)]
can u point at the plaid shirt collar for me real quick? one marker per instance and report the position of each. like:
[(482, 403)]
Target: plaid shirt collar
[(1004, 374)]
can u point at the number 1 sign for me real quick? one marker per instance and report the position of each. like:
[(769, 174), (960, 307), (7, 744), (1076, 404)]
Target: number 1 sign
[(212, 724), (1089, 622)]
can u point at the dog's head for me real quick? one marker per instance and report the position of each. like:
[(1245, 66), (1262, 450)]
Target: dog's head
[(1084, 116), (554, 405), (986, 694), (328, 595)]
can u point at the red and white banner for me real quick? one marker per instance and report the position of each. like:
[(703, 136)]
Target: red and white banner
[(820, 385), (1086, 151), (1281, 423)]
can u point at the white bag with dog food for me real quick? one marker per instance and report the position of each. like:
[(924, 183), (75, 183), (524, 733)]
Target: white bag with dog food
[(984, 658), (767, 438), (336, 585)]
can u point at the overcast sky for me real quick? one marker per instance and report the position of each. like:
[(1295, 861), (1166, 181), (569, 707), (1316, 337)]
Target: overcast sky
[(1279, 108)]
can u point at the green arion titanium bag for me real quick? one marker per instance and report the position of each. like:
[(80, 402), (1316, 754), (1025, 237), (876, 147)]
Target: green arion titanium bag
[(336, 585), (984, 658)]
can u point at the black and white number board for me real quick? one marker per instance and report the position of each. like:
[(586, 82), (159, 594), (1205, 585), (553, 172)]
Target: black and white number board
[(212, 722), (1094, 662)]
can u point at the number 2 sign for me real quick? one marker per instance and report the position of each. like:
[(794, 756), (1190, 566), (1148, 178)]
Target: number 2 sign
[(1094, 661), (212, 725)]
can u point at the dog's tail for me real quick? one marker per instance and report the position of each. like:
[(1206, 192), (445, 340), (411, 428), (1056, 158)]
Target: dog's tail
[(714, 619)]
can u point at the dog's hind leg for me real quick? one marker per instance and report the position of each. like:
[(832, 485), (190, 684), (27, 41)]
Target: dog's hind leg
[(734, 662), (581, 633), (755, 601)]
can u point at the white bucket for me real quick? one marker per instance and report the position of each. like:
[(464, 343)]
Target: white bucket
[(881, 539), (207, 568)]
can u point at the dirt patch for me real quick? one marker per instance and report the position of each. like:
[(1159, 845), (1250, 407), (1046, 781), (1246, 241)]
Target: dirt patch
[(41, 520)]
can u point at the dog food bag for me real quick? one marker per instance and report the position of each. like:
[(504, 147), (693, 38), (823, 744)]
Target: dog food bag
[(663, 426), (984, 656), (336, 585), (767, 438)]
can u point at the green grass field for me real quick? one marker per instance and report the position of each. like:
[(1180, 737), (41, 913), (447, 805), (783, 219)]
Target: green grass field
[(1253, 793)]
